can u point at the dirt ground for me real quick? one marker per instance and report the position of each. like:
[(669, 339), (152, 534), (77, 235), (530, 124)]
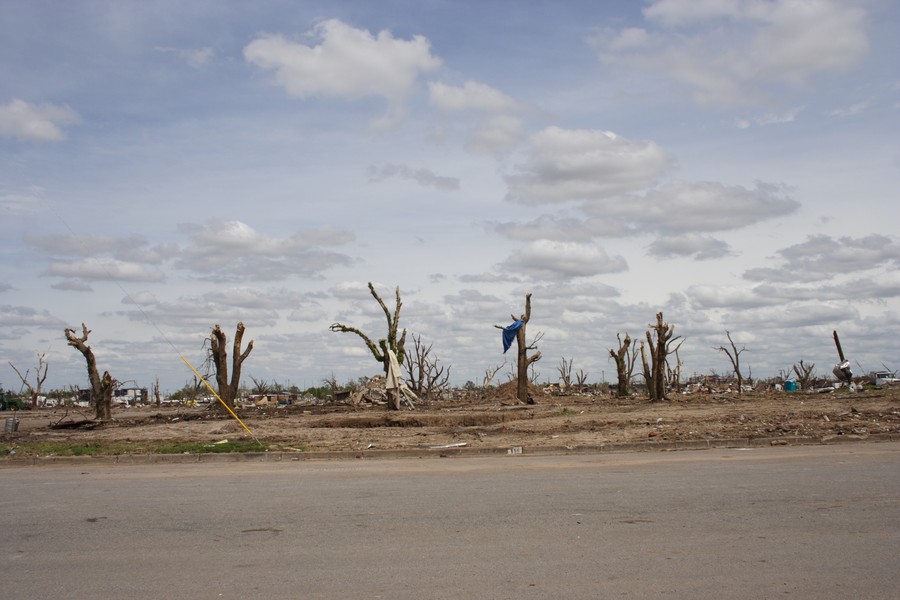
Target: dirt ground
[(495, 421)]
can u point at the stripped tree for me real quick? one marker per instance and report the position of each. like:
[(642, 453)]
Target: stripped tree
[(40, 376), (386, 346), (805, 374), (565, 373), (581, 380), (426, 379), (101, 386), (624, 357), (524, 361), (655, 369), (489, 375), (734, 355), (218, 354)]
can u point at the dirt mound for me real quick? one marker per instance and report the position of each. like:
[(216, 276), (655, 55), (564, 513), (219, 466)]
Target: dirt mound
[(506, 393)]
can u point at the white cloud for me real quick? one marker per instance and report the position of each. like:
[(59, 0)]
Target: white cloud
[(471, 96), (547, 259), (566, 164), (850, 111), (822, 256), (35, 122), (730, 51), (104, 269), (347, 63), (234, 251), (674, 210), (705, 297), (681, 207), (423, 177), (144, 298), (495, 136), (700, 247), (771, 118), (14, 317)]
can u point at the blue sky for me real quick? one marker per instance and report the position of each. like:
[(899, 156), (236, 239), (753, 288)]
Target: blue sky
[(167, 166)]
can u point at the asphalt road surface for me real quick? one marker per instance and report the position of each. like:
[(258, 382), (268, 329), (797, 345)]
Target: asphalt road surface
[(812, 522)]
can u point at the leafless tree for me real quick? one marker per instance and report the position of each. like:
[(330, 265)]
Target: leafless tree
[(734, 355), (228, 390), (40, 375), (625, 357), (581, 379), (565, 373), (101, 386), (673, 374), (805, 374), (489, 375), (655, 369), (524, 361), (426, 379), (261, 387), (386, 345)]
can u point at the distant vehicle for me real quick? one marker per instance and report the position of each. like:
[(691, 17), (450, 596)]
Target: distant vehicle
[(885, 378)]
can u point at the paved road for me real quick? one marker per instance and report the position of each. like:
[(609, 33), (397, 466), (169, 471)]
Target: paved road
[(809, 522)]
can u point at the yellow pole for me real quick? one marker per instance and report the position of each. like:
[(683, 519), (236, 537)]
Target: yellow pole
[(228, 408)]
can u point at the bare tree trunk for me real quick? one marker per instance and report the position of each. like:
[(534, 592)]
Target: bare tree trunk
[(734, 355), (39, 377), (228, 389), (648, 374), (620, 356), (565, 373), (523, 360), (659, 351), (101, 387)]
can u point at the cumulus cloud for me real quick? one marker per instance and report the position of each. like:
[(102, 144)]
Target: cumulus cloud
[(565, 164), (700, 247), (547, 259), (347, 63), (103, 269), (234, 251), (729, 52), (17, 317), (71, 285), (706, 297), (35, 122), (825, 314), (496, 135), (681, 206), (824, 256), (134, 248), (471, 96), (674, 211), (144, 298), (423, 177)]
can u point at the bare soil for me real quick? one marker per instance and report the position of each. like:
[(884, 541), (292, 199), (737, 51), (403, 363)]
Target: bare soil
[(495, 421)]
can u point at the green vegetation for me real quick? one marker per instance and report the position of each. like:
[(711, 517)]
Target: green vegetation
[(117, 448)]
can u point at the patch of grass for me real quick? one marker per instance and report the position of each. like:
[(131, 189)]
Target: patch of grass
[(65, 449), (567, 412), (205, 448), (115, 448)]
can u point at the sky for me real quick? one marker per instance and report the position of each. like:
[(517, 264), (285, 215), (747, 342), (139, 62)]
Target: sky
[(167, 166)]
